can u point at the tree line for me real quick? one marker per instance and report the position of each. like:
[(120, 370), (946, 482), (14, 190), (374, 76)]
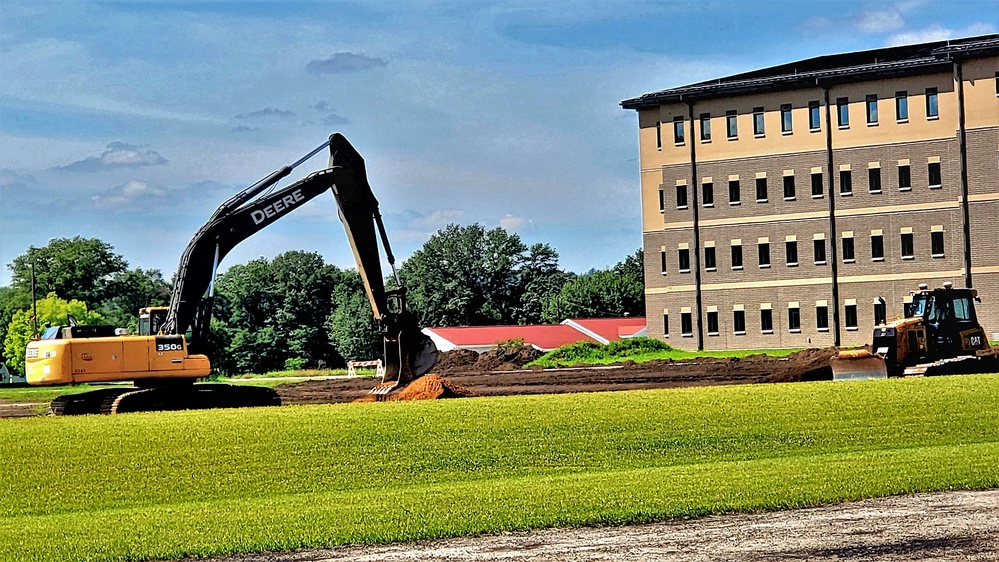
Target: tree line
[(296, 311)]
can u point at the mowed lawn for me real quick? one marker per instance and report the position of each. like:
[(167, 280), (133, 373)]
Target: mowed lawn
[(170, 485)]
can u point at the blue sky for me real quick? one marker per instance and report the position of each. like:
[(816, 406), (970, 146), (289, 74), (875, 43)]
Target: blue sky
[(131, 121)]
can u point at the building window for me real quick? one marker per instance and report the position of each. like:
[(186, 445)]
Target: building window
[(665, 325), (788, 188), (791, 252), (731, 123), (813, 116), (843, 112), (877, 247), (684, 260), (766, 321), (662, 261), (758, 126), (681, 196), (845, 182), (662, 200), (819, 251), (713, 323), (659, 135), (705, 127), (736, 256), (710, 263), (739, 322), (764, 252), (686, 325), (822, 318), (785, 118), (932, 111), (908, 248), (708, 194), (761, 190), (794, 320), (933, 171), (734, 192), (904, 178), (872, 109), (874, 180), (848, 255), (937, 244), (678, 136), (902, 106), (816, 185), (880, 313), (850, 316)]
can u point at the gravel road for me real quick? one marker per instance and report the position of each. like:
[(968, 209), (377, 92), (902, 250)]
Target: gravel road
[(949, 526)]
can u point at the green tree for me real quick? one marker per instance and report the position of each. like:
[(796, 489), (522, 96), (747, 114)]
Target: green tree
[(131, 290), (277, 310), (72, 268), (11, 300), (467, 275), (352, 326), (633, 266), (52, 311), (602, 293)]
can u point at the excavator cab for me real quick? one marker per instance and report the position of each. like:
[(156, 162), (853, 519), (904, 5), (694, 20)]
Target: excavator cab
[(151, 319)]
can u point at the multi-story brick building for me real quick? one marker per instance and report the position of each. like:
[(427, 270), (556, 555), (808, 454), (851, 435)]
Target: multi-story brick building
[(798, 205)]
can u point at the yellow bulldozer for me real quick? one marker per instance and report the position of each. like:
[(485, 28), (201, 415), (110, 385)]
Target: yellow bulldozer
[(940, 326)]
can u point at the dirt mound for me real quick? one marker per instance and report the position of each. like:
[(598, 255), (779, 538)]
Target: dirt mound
[(456, 360), (496, 359), (431, 387), (805, 365)]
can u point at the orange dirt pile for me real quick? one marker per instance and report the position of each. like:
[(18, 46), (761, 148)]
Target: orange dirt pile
[(431, 387)]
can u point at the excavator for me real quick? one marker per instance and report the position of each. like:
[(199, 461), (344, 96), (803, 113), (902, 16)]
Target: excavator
[(166, 358), (940, 327)]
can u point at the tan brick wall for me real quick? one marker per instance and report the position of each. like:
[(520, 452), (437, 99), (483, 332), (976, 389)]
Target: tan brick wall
[(919, 210)]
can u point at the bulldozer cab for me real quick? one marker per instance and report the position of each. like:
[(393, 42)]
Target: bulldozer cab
[(151, 319), (949, 315)]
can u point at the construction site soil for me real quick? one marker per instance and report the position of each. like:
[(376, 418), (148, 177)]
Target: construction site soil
[(502, 373)]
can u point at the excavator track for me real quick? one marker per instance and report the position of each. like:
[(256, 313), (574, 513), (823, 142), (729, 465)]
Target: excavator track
[(170, 398), (84, 403)]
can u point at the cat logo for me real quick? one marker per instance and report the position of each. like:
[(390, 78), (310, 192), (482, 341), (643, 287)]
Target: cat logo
[(86, 357)]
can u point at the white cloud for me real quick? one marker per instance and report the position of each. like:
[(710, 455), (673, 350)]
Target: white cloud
[(937, 32), (126, 194), (879, 21), (439, 218), (117, 155), (511, 222)]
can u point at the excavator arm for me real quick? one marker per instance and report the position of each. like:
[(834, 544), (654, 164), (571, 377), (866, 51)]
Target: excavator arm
[(408, 352)]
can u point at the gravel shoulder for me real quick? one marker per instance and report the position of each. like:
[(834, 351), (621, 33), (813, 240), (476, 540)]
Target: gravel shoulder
[(946, 526)]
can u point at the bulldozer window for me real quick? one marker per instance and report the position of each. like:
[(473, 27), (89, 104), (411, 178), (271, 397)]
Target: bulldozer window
[(962, 309)]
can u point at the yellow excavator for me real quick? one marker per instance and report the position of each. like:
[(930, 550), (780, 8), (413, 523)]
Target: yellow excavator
[(940, 326), (164, 359)]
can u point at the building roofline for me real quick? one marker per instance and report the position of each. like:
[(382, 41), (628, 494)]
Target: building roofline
[(906, 60)]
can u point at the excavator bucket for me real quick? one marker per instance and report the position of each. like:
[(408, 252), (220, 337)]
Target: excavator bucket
[(858, 364), (407, 357)]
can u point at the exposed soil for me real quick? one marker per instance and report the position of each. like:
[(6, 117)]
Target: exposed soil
[(948, 526), (501, 373)]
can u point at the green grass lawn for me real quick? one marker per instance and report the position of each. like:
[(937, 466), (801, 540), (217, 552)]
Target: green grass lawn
[(639, 350), (169, 485)]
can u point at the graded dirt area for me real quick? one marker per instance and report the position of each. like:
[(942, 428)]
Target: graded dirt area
[(502, 373), (947, 527)]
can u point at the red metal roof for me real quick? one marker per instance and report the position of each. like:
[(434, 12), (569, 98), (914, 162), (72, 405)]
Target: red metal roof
[(610, 329), (545, 337)]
